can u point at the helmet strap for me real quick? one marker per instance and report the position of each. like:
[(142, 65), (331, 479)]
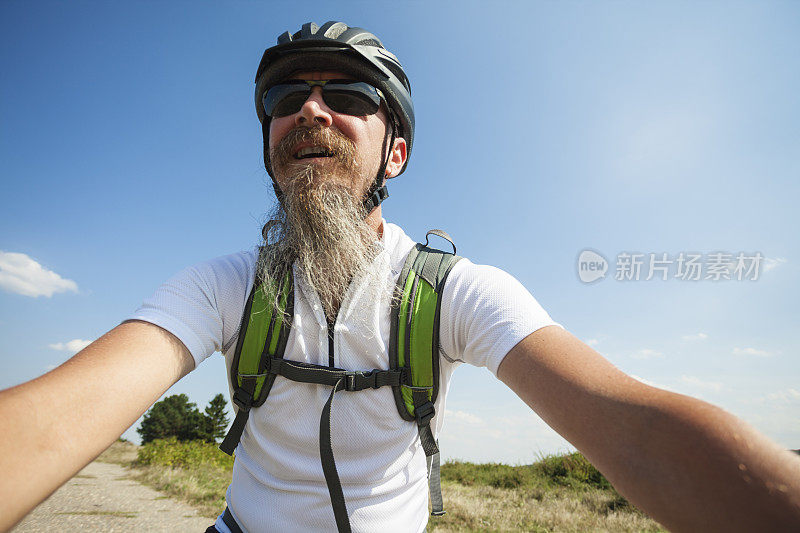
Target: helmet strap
[(267, 162), (378, 192)]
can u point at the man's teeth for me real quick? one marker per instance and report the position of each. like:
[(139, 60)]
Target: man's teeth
[(312, 151)]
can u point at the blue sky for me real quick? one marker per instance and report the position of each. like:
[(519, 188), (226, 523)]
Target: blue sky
[(130, 149)]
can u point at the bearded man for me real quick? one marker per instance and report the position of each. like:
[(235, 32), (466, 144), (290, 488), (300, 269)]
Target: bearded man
[(337, 122)]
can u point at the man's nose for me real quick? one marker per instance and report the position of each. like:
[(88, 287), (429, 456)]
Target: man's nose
[(314, 111)]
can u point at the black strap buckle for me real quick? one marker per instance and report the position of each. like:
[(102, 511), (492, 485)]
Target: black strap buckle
[(424, 413), (242, 399), (355, 381)]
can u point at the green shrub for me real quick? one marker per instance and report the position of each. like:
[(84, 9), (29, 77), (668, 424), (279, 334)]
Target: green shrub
[(491, 474), (183, 454), (572, 470)]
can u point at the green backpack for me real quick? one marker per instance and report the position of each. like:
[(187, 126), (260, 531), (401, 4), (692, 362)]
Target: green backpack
[(413, 362)]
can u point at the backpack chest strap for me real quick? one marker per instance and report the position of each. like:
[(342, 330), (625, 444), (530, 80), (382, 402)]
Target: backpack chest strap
[(325, 375)]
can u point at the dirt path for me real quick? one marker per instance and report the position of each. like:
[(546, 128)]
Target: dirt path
[(102, 497)]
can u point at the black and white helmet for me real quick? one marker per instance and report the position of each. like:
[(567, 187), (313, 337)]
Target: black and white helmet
[(337, 46)]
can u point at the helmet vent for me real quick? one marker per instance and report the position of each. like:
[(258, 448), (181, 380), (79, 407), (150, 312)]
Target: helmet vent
[(336, 30), (370, 42), (307, 31)]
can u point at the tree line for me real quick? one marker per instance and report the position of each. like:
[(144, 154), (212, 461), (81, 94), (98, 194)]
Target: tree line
[(175, 416)]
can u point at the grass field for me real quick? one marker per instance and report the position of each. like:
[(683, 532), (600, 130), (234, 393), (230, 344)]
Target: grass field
[(556, 493)]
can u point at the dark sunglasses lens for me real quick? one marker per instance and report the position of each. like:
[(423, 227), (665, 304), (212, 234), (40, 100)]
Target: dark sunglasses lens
[(350, 104), (357, 99), (285, 100)]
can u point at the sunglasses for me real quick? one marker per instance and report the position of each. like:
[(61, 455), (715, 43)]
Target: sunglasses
[(348, 97)]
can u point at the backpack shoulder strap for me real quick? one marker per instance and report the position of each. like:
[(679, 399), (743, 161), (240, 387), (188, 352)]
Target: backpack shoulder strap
[(262, 334), (414, 344)]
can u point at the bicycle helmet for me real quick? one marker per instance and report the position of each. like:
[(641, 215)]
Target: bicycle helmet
[(354, 51)]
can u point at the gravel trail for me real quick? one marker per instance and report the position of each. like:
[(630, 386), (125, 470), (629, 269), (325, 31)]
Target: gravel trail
[(102, 497)]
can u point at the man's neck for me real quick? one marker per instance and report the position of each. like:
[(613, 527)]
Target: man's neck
[(375, 221)]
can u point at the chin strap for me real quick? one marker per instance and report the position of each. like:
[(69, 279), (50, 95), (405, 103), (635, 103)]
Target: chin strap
[(379, 192), (267, 160), (375, 198)]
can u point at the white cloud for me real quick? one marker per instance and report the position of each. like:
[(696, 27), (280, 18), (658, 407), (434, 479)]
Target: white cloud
[(784, 396), (700, 384), (651, 383), (71, 347), (695, 337), (772, 262), (751, 351), (74, 346), (592, 342), (22, 275), (766, 264), (463, 416), (646, 353)]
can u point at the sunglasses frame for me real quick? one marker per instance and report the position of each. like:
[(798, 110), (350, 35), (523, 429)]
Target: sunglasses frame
[(283, 90)]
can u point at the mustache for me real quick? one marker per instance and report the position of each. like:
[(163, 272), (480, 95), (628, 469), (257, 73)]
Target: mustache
[(342, 148)]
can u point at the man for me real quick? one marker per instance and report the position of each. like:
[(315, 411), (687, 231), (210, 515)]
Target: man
[(337, 122)]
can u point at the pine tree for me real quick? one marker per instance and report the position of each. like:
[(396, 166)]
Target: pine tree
[(174, 416), (216, 420)]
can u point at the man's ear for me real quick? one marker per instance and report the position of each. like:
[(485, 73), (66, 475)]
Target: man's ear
[(397, 158)]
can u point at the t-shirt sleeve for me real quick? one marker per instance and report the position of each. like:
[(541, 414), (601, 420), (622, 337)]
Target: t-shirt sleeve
[(203, 304), (485, 312)]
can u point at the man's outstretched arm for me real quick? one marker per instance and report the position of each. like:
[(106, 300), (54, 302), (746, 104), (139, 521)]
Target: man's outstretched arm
[(56, 424), (689, 464)]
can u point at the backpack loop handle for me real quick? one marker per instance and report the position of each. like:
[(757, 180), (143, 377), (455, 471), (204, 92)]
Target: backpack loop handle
[(443, 234)]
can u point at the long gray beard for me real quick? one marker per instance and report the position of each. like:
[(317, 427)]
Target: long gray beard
[(319, 226)]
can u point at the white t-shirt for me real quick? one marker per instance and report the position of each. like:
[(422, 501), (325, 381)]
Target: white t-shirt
[(278, 483)]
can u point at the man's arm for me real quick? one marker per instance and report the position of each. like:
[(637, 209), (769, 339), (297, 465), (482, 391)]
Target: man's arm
[(689, 464), (56, 424)]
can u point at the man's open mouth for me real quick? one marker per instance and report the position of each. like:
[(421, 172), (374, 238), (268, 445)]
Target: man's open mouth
[(313, 151)]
